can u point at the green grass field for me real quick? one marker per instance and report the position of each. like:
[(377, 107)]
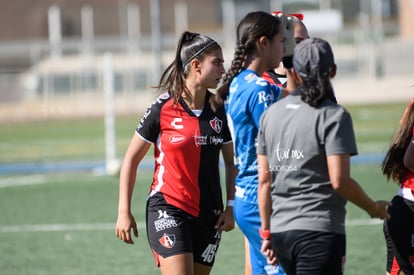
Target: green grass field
[(63, 223)]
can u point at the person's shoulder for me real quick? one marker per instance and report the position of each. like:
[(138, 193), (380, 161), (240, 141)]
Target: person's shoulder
[(251, 78), (160, 101), (162, 98), (334, 111), (337, 107)]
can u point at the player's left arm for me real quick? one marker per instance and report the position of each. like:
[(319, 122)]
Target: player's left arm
[(265, 205), (225, 221)]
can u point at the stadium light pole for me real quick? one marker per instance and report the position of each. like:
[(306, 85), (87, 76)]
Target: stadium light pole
[(181, 17), (112, 164), (229, 23), (55, 31), (156, 38), (133, 27), (376, 15), (87, 30)]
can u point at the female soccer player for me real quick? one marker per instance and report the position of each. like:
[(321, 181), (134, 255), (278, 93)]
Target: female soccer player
[(185, 215), (260, 38), (398, 165)]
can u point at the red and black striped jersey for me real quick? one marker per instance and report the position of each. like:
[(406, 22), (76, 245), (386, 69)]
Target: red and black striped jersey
[(186, 150)]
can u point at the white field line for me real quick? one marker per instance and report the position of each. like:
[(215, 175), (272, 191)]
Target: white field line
[(22, 181), (111, 226), (362, 222), (60, 227)]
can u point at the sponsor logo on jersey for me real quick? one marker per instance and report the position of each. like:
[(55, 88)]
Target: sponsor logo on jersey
[(216, 140), (287, 153), (266, 98), (204, 140), (164, 221), (167, 240), (200, 140), (250, 77), (177, 123), (144, 117), (292, 106), (163, 214), (274, 269), (177, 139), (216, 124), (261, 82)]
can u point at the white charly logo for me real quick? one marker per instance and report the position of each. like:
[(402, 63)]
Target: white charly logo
[(176, 123)]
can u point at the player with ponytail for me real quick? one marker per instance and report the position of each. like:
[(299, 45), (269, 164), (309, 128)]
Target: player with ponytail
[(246, 95), (185, 213)]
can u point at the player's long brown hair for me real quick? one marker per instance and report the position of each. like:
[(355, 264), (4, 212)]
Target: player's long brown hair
[(250, 29), (191, 45), (393, 163), (316, 87)]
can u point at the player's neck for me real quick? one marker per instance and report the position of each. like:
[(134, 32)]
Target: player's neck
[(196, 101)]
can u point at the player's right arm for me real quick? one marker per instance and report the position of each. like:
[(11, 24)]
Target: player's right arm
[(133, 156), (146, 133)]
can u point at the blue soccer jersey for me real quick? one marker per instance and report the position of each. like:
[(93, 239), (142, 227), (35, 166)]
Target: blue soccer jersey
[(249, 96)]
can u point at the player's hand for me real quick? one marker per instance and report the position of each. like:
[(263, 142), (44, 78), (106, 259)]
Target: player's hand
[(268, 252), (124, 224), (225, 221), (289, 42), (380, 210)]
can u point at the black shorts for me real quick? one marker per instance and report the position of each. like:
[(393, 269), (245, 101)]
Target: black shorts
[(303, 252), (171, 231), (400, 228)]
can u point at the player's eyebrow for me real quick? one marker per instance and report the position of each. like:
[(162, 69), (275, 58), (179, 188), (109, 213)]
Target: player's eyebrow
[(219, 59)]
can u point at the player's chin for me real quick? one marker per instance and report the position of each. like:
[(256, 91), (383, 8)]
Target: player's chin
[(214, 84)]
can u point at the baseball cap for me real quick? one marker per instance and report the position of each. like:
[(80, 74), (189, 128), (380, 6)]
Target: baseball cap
[(313, 53)]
